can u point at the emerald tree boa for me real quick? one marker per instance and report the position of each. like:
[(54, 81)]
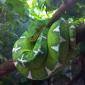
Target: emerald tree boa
[(41, 51)]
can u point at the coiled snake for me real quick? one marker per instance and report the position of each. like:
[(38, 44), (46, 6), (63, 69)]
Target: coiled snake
[(40, 52)]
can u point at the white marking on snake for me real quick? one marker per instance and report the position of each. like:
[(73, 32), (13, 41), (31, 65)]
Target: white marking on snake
[(37, 51), (57, 29), (22, 60), (55, 48), (29, 75), (43, 37), (72, 27), (16, 48), (62, 19), (58, 65), (15, 63), (22, 37), (67, 71), (48, 71), (62, 39), (69, 75), (72, 39)]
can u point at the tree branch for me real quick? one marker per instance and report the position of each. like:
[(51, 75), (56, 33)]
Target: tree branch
[(63, 7), (7, 67)]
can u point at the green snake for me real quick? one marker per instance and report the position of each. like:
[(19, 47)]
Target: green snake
[(41, 51)]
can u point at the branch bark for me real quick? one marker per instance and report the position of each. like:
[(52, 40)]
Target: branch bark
[(7, 67), (63, 7)]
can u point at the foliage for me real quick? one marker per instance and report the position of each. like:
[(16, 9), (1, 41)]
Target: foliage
[(38, 10), (76, 12), (53, 4), (13, 21), (11, 17)]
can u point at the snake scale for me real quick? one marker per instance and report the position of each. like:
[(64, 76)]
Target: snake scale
[(40, 51)]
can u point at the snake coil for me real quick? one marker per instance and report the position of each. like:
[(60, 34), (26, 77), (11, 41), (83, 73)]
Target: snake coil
[(38, 53)]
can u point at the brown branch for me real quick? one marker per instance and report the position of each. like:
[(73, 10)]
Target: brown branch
[(7, 67), (63, 7)]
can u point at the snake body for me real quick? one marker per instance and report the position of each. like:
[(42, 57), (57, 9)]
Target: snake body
[(38, 53)]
